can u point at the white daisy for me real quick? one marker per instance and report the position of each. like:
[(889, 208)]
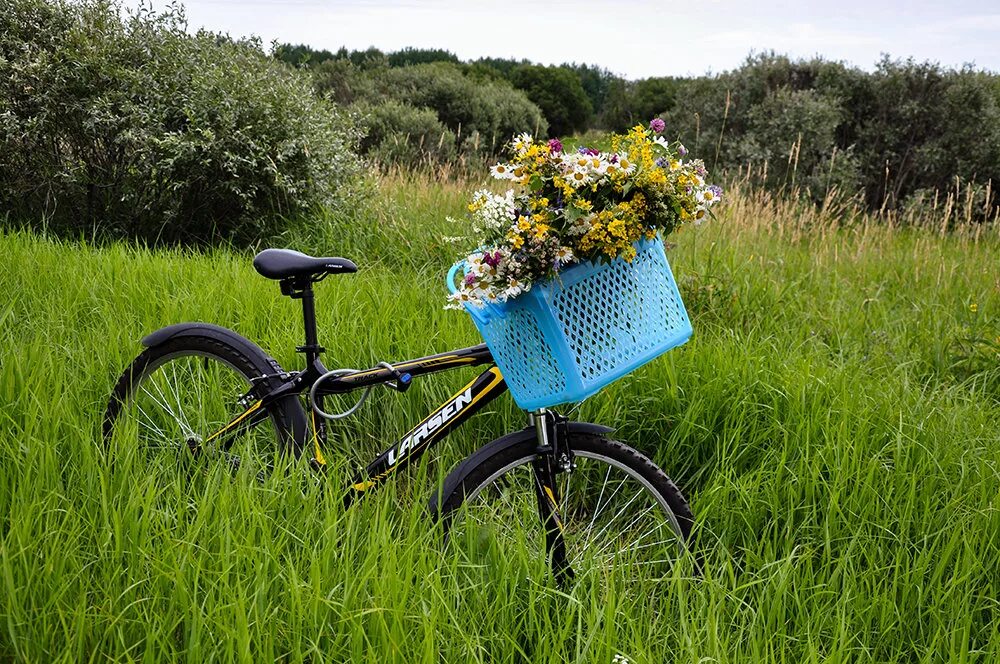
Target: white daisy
[(502, 172), (579, 177), (565, 255)]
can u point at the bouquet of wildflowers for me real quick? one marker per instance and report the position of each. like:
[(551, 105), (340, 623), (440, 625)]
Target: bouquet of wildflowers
[(585, 205)]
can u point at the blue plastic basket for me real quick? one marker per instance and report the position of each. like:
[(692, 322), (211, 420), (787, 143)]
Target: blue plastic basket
[(566, 339)]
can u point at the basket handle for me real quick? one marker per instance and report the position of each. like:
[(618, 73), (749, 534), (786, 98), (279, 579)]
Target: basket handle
[(450, 279)]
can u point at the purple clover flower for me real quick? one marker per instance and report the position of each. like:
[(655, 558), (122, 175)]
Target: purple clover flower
[(492, 259), (681, 150), (657, 125), (613, 159), (470, 279), (555, 146)]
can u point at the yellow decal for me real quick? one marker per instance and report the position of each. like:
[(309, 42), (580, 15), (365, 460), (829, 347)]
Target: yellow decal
[(317, 453), (555, 506), (239, 419)]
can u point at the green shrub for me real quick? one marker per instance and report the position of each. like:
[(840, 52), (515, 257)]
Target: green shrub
[(343, 82), (492, 109), (794, 132), (558, 92), (399, 134), (131, 127)]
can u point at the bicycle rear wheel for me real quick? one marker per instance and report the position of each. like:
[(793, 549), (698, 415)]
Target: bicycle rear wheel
[(617, 508), (176, 397)]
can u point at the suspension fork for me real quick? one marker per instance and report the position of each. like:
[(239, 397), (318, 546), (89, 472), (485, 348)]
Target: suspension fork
[(553, 457)]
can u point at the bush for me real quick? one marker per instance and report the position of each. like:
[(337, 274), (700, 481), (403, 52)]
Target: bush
[(132, 127), (558, 92), (484, 112), (343, 82), (794, 132), (401, 135), (904, 128)]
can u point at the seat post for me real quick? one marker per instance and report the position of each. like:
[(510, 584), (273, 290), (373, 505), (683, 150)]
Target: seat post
[(301, 289)]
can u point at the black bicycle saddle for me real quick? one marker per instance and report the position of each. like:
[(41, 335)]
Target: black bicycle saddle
[(285, 263)]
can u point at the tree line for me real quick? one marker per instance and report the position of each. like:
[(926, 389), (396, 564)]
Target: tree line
[(898, 135)]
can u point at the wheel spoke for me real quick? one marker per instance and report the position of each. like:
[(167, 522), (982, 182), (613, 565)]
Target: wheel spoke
[(177, 401), (607, 521)]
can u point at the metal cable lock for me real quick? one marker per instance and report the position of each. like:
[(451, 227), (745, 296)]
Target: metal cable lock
[(353, 409)]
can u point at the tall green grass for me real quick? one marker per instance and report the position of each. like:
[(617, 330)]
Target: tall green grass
[(833, 421)]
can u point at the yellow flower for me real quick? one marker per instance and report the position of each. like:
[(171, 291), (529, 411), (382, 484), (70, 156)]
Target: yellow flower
[(657, 177), (523, 224), (973, 307)]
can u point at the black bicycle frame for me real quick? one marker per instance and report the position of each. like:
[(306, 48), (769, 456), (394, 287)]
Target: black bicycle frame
[(432, 429), (465, 403)]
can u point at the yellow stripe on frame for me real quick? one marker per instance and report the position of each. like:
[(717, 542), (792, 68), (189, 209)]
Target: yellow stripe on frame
[(239, 419)]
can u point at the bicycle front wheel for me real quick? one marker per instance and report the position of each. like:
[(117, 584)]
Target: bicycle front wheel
[(617, 508)]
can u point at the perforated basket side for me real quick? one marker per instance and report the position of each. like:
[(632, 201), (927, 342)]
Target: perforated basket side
[(620, 313), (525, 359), (565, 340)]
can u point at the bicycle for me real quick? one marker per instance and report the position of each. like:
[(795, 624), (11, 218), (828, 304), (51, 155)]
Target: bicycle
[(198, 389)]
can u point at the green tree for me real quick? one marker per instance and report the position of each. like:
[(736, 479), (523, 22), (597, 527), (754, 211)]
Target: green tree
[(418, 56), (558, 92), (487, 113)]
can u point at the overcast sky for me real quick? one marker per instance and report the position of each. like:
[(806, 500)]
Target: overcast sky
[(635, 38)]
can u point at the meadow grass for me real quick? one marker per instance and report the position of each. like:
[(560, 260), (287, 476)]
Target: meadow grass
[(833, 422)]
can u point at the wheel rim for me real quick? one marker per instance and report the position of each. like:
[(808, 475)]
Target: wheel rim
[(180, 400), (612, 516)]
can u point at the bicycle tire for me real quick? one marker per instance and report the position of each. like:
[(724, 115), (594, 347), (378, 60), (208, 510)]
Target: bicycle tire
[(506, 459), (286, 414)]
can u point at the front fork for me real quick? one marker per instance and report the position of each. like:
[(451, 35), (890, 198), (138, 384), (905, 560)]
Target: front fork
[(553, 457)]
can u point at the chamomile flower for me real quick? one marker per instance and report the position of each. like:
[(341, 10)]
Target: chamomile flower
[(459, 299), (579, 177), (515, 287), (662, 142), (707, 196), (625, 164), (564, 256), (502, 172)]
